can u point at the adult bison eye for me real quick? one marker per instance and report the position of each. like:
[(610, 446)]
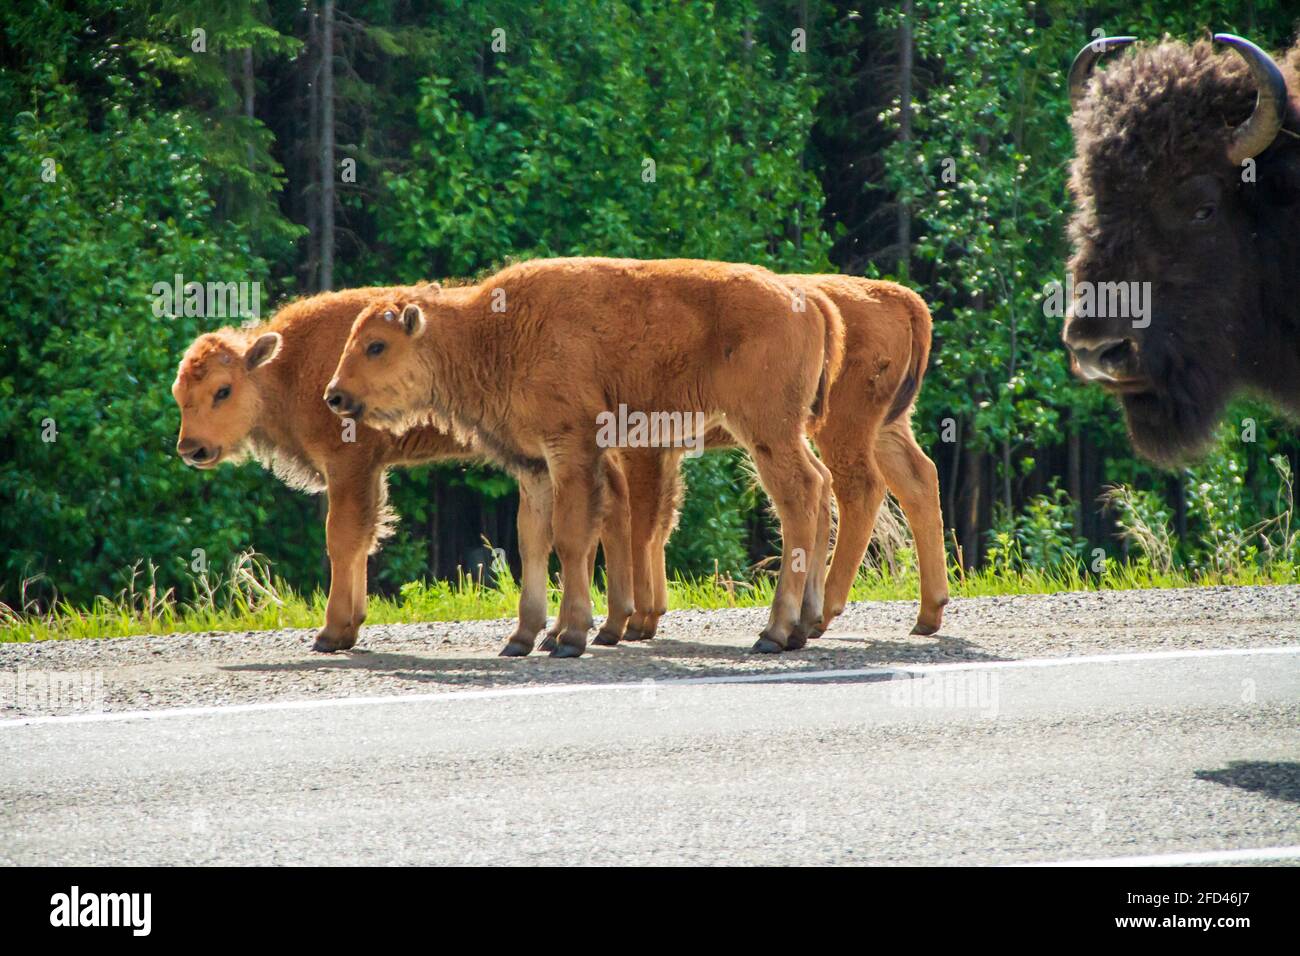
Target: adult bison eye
[(1205, 213), (375, 348), (221, 395)]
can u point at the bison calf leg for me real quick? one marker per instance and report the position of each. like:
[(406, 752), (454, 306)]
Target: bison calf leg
[(811, 611), (914, 480), (648, 472), (349, 533), (616, 540), (577, 481), (359, 585), (658, 554), (672, 488), (795, 487), (552, 638), (534, 525), (652, 590), (859, 491), (669, 497)]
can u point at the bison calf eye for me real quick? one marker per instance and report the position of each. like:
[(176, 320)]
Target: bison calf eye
[(1204, 213), (375, 348), (222, 394)]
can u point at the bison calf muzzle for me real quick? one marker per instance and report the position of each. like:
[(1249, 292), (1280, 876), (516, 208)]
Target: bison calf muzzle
[(343, 404)]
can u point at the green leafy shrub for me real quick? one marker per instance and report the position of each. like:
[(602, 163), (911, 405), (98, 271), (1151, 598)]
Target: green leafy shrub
[(90, 481)]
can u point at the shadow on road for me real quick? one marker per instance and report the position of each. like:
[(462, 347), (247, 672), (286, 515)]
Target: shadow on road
[(1272, 779), (661, 659)]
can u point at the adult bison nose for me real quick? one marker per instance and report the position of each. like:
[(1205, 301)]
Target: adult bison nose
[(194, 452), (1106, 361), (341, 403)]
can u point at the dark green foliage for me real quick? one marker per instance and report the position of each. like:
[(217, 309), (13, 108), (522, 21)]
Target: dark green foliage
[(711, 534), (544, 149), (89, 480)]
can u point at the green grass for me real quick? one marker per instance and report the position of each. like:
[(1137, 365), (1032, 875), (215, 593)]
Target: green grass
[(882, 585), (251, 599)]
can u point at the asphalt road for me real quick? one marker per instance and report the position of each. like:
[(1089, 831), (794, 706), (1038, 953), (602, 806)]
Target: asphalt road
[(1171, 751)]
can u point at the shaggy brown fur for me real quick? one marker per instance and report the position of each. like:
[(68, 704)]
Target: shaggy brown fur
[(258, 391), (527, 361), (865, 439), (1158, 200), (873, 313)]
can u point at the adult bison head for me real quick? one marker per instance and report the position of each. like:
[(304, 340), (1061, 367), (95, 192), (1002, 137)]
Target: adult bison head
[(217, 391), (1186, 182)]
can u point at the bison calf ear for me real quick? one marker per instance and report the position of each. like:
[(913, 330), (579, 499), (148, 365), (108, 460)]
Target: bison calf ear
[(263, 350), (413, 320)]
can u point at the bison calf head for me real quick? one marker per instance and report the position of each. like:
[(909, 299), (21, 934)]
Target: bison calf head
[(217, 390), (1185, 188), (380, 374)]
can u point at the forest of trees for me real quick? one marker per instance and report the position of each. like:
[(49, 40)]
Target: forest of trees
[(317, 144)]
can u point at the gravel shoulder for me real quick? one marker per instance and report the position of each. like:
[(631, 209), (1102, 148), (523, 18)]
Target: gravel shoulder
[(179, 670)]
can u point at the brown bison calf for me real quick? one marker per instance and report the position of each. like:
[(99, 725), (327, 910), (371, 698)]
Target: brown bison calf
[(529, 361), (258, 391), (865, 439)]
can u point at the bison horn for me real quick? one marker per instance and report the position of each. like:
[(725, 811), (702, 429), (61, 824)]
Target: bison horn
[(1254, 136), (1087, 58)]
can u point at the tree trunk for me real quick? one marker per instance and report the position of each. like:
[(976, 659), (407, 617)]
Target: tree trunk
[(1074, 477), (309, 153), (1178, 488), (435, 530), (1093, 520), (949, 500), (327, 146), (904, 238), (972, 481), (248, 98), (1006, 476)]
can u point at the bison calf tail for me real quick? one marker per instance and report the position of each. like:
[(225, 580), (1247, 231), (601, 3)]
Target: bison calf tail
[(833, 351), (919, 313)]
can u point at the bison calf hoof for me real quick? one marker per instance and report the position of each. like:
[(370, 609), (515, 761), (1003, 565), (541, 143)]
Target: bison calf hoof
[(803, 632), (328, 644), (516, 649), (767, 645), (929, 621), (570, 645), (606, 639), (548, 642), (632, 634)]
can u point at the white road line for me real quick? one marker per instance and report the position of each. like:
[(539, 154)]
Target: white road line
[(1198, 858), (765, 678)]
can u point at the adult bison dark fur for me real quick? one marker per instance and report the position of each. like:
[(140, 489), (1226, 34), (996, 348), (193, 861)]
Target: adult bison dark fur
[(1187, 176)]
